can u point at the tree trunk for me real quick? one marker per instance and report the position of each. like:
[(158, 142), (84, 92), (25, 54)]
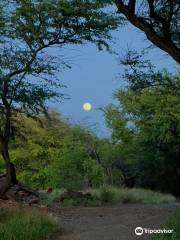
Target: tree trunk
[(5, 135), (10, 169)]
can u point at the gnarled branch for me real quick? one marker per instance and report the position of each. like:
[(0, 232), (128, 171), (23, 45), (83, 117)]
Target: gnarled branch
[(163, 37)]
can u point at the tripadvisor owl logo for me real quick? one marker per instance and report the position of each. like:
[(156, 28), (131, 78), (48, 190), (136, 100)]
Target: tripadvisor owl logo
[(139, 231)]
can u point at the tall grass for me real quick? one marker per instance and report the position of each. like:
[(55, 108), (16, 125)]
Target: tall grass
[(21, 224), (48, 198), (173, 223), (109, 194)]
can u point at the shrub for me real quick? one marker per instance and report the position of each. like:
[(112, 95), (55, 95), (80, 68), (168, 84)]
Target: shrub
[(24, 224), (109, 194), (48, 198), (173, 223)]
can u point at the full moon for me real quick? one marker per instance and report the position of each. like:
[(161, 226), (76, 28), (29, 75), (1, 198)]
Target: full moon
[(87, 107)]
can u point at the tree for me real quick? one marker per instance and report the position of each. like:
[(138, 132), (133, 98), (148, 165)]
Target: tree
[(140, 74), (54, 153), (151, 149), (109, 157), (27, 70), (145, 125), (158, 19)]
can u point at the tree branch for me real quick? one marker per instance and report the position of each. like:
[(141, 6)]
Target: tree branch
[(163, 42), (132, 6)]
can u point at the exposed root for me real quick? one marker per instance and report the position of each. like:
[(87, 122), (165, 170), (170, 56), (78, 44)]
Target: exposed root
[(17, 192)]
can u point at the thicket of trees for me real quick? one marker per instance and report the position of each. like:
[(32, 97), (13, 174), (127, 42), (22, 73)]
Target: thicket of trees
[(146, 125), (49, 152), (144, 149), (28, 72), (54, 153)]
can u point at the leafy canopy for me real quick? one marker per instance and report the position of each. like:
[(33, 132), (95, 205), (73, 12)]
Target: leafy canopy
[(29, 28), (146, 125)]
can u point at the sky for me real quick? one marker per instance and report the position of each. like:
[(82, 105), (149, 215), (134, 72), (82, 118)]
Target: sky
[(95, 75)]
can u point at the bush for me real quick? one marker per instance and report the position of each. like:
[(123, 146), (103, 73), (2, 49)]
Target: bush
[(109, 194), (173, 223), (55, 196), (48, 198), (16, 224)]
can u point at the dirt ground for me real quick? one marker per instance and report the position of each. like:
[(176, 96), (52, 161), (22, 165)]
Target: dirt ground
[(112, 223)]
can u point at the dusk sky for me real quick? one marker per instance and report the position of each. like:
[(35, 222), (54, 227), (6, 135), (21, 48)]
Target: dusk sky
[(94, 77)]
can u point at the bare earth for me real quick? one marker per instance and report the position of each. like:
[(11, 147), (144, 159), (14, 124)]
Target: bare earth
[(112, 223)]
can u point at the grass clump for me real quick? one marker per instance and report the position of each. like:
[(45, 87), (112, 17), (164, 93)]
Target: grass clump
[(109, 194), (173, 223), (54, 198), (22, 224), (49, 198), (71, 202), (106, 194)]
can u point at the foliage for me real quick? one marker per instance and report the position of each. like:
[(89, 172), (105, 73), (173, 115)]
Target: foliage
[(107, 194), (140, 73), (21, 224), (109, 156), (54, 153), (32, 27), (47, 199), (82, 198), (84, 202), (172, 223), (114, 195), (28, 71), (145, 126)]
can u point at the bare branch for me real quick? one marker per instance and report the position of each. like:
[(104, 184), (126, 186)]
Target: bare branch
[(148, 24)]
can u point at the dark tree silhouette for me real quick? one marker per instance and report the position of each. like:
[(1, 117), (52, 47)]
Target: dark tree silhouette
[(158, 19)]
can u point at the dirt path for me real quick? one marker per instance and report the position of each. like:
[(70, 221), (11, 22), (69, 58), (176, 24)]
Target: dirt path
[(112, 223)]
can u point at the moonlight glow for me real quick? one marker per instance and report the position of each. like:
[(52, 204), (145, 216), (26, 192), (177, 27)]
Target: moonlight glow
[(87, 107)]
